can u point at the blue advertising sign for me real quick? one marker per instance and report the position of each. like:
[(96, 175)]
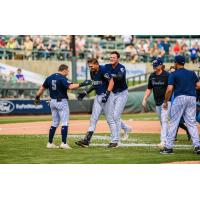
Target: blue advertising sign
[(23, 107)]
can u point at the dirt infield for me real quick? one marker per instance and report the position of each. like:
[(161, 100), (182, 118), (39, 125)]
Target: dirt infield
[(185, 162), (77, 127)]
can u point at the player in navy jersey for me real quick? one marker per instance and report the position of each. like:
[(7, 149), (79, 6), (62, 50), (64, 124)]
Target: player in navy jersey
[(118, 97), (103, 85), (184, 84), (57, 84)]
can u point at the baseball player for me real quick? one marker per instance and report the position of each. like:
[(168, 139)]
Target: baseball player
[(183, 82), (103, 85), (158, 82), (118, 97), (97, 109), (58, 84)]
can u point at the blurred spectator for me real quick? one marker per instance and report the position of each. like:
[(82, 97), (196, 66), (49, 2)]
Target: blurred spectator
[(176, 48), (143, 50), (167, 49), (80, 46), (2, 46), (127, 39), (11, 77), (96, 51), (42, 50), (28, 47), (13, 45), (156, 52), (20, 79), (194, 53), (51, 48), (64, 48), (20, 76), (159, 44), (132, 53)]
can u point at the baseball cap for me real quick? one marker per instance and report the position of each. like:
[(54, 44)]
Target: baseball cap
[(179, 59), (157, 62)]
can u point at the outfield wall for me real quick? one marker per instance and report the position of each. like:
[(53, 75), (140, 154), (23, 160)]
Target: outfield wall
[(23, 107)]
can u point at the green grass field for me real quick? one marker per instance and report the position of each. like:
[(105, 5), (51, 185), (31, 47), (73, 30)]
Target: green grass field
[(24, 119), (31, 149)]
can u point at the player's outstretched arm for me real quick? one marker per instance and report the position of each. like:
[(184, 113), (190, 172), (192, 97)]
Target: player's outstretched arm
[(84, 93), (75, 86)]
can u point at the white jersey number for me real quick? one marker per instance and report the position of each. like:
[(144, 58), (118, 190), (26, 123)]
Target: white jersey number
[(53, 83)]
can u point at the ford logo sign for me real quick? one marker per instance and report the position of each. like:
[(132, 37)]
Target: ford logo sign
[(6, 106)]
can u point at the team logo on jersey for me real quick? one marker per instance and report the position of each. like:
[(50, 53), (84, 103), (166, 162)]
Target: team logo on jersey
[(107, 76), (122, 70)]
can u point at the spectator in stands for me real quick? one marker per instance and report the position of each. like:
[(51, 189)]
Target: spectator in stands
[(167, 49), (80, 46), (42, 50), (127, 39), (11, 45), (20, 76), (51, 48), (20, 79), (131, 52), (176, 48), (63, 47), (156, 52), (11, 77), (28, 47), (142, 50), (97, 51), (159, 44), (194, 53), (2, 46)]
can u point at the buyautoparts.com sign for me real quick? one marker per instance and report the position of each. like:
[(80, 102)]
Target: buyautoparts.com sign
[(23, 107)]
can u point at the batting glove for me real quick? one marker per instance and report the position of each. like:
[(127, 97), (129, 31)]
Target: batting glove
[(37, 100), (81, 95), (85, 83), (105, 97)]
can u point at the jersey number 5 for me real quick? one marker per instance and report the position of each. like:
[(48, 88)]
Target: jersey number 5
[(53, 83)]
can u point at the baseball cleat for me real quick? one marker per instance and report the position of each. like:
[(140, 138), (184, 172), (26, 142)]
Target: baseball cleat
[(113, 145), (64, 146), (196, 150), (161, 145), (82, 143), (165, 150), (126, 133), (51, 146)]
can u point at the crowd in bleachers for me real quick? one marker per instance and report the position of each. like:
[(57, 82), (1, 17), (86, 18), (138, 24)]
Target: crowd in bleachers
[(132, 48)]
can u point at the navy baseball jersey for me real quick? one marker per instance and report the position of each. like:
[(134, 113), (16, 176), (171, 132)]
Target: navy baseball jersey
[(57, 85), (159, 85), (100, 80), (184, 82), (119, 83)]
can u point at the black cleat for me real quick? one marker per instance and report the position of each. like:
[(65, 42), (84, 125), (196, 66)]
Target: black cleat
[(113, 145), (196, 150), (166, 151), (82, 143)]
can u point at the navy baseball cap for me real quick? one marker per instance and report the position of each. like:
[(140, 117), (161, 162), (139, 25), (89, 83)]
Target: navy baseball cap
[(179, 59), (157, 62)]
